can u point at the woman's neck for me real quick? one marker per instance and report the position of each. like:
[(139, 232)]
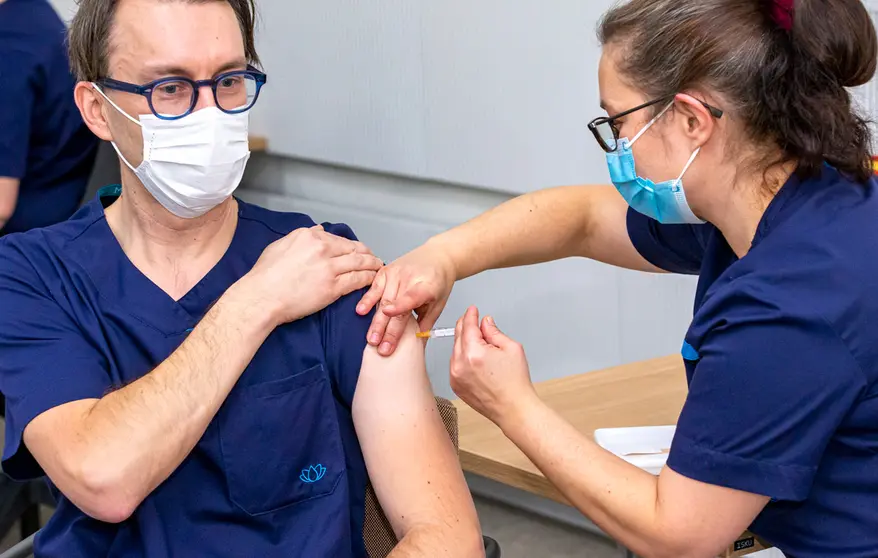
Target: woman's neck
[(175, 253), (738, 214)]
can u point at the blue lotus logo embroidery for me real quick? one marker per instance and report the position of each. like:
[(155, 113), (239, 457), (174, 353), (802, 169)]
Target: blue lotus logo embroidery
[(312, 474)]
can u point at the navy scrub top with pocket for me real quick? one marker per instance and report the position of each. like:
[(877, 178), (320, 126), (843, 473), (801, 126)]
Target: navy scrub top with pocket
[(782, 363), (278, 473)]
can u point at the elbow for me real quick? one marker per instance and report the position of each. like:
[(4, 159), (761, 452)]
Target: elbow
[(459, 541), (468, 540), (474, 546), (101, 493)]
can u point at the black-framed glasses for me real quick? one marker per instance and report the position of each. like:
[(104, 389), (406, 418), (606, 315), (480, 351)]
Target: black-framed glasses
[(172, 98), (607, 133)]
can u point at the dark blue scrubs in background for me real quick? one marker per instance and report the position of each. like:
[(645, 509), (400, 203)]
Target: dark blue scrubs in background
[(278, 473), (43, 141), (782, 363)]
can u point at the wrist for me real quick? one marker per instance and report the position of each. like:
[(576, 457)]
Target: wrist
[(245, 301), (450, 251), (518, 413)]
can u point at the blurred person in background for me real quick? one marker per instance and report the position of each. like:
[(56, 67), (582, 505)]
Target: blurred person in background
[(46, 151)]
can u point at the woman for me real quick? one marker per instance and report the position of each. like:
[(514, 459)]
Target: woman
[(751, 171)]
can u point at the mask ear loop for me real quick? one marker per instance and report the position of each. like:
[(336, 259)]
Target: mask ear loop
[(115, 106), (689, 164), (651, 122), (126, 115)]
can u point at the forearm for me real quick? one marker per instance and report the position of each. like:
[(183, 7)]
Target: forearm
[(537, 227), (620, 498), (142, 432)]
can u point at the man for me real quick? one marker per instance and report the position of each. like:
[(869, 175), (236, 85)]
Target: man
[(46, 152), (188, 369)]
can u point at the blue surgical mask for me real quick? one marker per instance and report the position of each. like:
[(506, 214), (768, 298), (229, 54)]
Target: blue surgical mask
[(664, 201)]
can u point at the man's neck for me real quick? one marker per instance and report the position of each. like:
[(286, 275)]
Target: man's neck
[(175, 253)]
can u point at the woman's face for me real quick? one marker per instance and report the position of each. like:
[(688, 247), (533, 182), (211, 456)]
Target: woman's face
[(662, 152)]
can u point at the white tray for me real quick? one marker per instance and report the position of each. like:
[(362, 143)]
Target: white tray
[(645, 447)]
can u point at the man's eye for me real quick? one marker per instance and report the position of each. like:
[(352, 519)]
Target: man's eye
[(169, 89), (230, 82)]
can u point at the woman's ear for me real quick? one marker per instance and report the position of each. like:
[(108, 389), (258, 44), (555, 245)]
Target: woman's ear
[(91, 108), (697, 121)]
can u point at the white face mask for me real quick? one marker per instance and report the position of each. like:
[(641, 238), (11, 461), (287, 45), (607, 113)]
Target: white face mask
[(192, 164)]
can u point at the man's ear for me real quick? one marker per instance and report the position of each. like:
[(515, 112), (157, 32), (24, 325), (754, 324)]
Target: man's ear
[(91, 107), (697, 122)]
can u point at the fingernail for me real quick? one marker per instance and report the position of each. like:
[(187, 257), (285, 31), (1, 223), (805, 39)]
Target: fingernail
[(361, 309), (490, 321), (385, 348), (374, 338)]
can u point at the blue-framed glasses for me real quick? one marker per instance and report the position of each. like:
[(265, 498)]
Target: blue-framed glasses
[(172, 98)]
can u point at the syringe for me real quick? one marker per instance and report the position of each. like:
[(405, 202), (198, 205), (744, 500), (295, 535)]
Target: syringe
[(436, 333)]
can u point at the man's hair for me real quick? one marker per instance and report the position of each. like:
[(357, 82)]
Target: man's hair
[(91, 30)]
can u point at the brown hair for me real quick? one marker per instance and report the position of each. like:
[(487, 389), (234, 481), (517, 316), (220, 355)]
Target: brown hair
[(91, 29), (787, 87)]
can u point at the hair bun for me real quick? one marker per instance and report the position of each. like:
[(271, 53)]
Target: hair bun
[(839, 35)]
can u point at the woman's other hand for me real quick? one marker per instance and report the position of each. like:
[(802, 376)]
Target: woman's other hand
[(489, 371)]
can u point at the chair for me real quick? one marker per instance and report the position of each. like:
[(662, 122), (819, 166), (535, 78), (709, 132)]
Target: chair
[(24, 549), (378, 534), (20, 502), (377, 531)]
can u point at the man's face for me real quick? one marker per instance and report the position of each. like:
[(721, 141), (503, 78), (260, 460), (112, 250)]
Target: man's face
[(153, 39)]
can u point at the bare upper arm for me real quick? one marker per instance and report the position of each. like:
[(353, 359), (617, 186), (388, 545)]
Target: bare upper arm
[(412, 463), (8, 198), (705, 517), (606, 237)]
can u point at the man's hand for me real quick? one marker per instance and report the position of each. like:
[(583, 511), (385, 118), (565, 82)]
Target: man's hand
[(308, 270), (421, 281)]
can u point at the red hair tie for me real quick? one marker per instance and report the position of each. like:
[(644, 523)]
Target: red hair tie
[(782, 13)]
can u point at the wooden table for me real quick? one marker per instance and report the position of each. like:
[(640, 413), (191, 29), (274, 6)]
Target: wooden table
[(258, 143), (649, 393)]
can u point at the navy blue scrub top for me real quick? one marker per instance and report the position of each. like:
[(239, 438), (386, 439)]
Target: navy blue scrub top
[(279, 471), (782, 363), (43, 141)]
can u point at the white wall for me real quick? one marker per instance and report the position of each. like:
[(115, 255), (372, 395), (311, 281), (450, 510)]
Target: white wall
[(493, 93), (65, 8)]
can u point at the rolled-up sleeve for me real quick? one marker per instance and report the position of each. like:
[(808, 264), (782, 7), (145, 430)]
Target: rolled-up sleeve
[(345, 333), (45, 361), (766, 397), (673, 248)]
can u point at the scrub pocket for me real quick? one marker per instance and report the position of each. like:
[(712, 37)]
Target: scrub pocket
[(280, 442)]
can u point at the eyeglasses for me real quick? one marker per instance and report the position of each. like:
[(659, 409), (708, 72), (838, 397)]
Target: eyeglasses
[(172, 98), (607, 133)]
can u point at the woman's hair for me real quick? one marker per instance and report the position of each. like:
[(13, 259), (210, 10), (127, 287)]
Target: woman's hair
[(785, 83)]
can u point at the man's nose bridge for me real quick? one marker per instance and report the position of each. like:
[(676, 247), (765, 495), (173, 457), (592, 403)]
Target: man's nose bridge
[(205, 97)]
